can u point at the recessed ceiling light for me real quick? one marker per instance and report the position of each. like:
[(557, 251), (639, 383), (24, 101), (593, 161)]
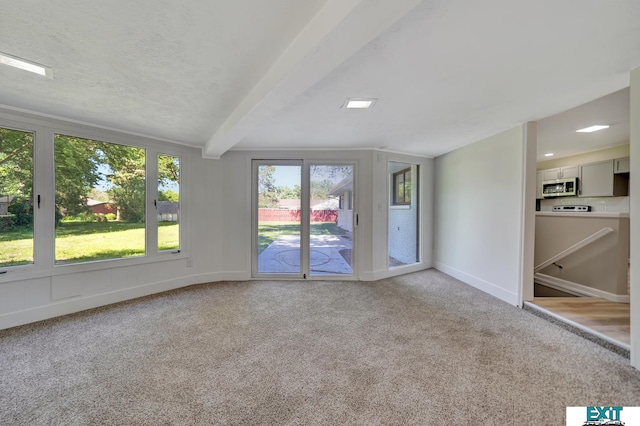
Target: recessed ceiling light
[(593, 128), (25, 65), (549, 154), (359, 103)]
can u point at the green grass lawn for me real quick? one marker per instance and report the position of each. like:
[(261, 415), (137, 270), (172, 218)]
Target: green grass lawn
[(87, 241), (269, 231), (16, 247)]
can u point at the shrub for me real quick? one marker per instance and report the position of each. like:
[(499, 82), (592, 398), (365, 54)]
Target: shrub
[(100, 217), (58, 216), (22, 211), (110, 216), (6, 223)]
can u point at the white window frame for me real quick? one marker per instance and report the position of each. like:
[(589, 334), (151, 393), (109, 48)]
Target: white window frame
[(44, 129)]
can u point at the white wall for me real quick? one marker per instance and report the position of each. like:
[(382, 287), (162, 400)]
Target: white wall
[(634, 188), (479, 205), (35, 292), (403, 233)]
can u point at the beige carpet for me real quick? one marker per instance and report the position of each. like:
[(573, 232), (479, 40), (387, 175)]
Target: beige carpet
[(417, 349)]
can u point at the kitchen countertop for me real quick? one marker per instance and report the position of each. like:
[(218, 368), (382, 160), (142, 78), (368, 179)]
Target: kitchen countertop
[(584, 214)]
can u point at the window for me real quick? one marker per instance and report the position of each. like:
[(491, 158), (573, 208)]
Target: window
[(16, 197), (100, 200), (402, 187), (403, 218), (168, 203)]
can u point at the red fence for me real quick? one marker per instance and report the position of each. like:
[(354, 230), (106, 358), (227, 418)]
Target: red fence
[(285, 215)]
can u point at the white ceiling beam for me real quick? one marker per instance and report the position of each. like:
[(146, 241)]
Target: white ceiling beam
[(336, 32)]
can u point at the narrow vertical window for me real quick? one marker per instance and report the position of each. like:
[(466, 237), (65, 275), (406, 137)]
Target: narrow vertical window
[(16, 197), (100, 200), (404, 214), (168, 203), (402, 187)]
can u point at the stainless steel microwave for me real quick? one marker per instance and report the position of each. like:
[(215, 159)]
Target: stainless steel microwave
[(560, 188)]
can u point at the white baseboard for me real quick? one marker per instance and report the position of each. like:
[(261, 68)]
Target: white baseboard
[(393, 272), (479, 283), (81, 303), (577, 289), (236, 276)]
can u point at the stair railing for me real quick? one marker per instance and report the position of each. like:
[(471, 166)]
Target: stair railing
[(577, 246)]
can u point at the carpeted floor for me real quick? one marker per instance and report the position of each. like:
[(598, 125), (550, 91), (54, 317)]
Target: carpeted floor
[(417, 349)]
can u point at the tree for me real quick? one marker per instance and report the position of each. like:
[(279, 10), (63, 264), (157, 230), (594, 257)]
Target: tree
[(320, 189), (168, 195), (267, 195), (168, 169), (16, 163), (76, 171), (286, 193), (83, 168), (128, 179), (81, 164), (325, 177), (99, 195)]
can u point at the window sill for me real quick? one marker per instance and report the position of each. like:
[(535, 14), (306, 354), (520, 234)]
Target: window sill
[(28, 272)]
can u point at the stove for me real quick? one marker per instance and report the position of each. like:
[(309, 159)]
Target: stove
[(571, 208)]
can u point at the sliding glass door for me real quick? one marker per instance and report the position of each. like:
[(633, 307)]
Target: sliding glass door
[(331, 219), (303, 219), (279, 223)]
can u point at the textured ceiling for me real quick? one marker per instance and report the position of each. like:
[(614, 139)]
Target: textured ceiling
[(248, 74), (557, 133), (171, 69)]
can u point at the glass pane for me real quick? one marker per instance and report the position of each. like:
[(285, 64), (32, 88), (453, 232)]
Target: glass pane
[(407, 187), (100, 200), (399, 188), (404, 235), (279, 219), (331, 222), (168, 204), (16, 197)]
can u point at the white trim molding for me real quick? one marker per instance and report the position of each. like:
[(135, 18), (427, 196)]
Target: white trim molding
[(479, 283), (578, 289)]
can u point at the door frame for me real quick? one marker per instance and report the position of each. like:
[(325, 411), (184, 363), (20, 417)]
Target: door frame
[(305, 195)]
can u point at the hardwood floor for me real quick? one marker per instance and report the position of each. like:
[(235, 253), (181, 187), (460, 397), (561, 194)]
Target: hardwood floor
[(608, 318)]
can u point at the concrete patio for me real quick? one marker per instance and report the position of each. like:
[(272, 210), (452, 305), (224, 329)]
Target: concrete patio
[(283, 255)]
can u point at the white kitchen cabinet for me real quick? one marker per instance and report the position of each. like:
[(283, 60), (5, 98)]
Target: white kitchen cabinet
[(562, 173), (621, 165), (599, 180)]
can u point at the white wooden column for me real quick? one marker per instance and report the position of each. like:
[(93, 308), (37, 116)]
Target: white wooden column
[(635, 216)]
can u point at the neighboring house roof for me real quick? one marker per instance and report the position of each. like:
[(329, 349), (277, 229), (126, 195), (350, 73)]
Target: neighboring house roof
[(168, 207), (7, 199), (294, 204), (331, 204), (344, 185), (91, 202)]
